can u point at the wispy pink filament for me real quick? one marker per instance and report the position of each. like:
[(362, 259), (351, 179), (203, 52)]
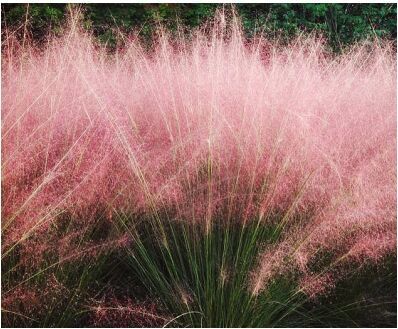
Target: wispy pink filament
[(213, 127)]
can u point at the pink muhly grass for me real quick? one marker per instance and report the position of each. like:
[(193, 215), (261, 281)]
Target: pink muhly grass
[(116, 312), (214, 127)]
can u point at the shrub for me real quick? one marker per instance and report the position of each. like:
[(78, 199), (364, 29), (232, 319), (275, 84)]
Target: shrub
[(238, 178)]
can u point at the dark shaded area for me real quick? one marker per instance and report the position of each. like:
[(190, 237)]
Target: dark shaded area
[(342, 24), (364, 298)]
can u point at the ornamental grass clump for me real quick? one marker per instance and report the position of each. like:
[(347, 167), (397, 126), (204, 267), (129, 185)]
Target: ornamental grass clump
[(234, 180)]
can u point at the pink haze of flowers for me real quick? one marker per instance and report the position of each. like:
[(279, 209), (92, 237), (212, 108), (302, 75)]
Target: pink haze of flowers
[(214, 127)]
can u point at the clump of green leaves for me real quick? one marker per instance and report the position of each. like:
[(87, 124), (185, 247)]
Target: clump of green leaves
[(342, 24), (203, 277)]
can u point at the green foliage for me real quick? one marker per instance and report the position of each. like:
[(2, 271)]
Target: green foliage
[(39, 18), (58, 290), (342, 24), (204, 277)]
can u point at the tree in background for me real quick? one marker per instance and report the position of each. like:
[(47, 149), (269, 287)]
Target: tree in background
[(342, 24)]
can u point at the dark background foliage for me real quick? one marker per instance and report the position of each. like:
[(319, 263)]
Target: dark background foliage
[(342, 24)]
